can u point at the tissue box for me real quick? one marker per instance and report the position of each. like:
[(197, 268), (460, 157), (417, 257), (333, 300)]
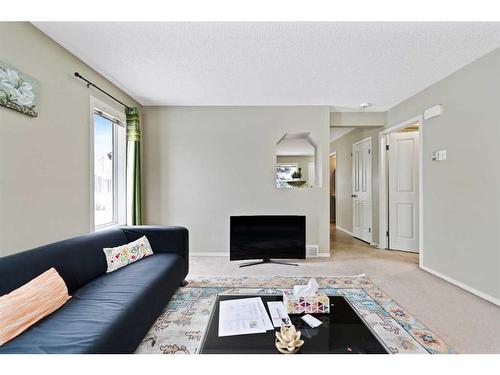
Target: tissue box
[(316, 304)]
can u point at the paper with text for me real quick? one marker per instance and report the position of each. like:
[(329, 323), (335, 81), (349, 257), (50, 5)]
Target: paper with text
[(242, 316), (278, 313)]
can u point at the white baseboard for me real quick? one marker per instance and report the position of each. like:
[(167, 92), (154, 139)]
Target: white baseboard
[(344, 230), (478, 293), (208, 254), (324, 255)]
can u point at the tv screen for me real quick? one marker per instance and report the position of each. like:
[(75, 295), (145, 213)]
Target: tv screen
[(267, 237)]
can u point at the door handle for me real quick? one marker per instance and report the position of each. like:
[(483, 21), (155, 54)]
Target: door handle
[(354, 196)]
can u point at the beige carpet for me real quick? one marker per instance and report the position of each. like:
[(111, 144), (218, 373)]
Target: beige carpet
[(468, 323)]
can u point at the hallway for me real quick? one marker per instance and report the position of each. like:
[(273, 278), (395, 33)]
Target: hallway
[(343, 244)]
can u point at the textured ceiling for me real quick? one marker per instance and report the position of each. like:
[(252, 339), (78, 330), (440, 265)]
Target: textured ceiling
[(335, 64)]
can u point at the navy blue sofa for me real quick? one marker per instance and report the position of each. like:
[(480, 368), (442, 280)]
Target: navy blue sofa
[(108, 313)]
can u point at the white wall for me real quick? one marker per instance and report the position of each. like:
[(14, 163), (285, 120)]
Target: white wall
[(461, 194), (45, 161), (339, 132), (204, 164)]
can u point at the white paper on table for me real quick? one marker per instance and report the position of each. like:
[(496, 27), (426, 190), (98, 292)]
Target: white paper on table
[(265, 317), (242, 316), (278, 313), (311, 321)]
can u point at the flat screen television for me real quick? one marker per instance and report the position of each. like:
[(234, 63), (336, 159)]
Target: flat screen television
[(267, 237)]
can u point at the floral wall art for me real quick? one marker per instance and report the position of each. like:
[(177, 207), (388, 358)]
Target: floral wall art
[(18, 91)]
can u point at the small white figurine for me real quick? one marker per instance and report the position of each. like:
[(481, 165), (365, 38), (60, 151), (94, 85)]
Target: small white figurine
[(288, 340)]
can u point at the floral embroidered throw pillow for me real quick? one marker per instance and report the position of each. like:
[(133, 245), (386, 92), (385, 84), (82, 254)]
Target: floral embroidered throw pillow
[(118, 257)]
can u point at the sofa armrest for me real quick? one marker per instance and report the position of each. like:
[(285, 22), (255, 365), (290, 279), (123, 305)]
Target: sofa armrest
[(163, 239)]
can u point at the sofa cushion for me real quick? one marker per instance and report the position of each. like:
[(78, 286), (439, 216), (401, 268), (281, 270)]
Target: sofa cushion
[(30, 303), (108, 315), (120, 256)]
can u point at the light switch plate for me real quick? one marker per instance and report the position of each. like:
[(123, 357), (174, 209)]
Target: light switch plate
[(439, 155)]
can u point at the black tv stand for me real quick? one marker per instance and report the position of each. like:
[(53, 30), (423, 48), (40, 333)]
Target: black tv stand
[(267, 260)]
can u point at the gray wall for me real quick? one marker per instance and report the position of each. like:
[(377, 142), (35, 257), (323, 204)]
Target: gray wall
[(45, 162), (343, 148), (357, 119), (203, 164), (462, 205)]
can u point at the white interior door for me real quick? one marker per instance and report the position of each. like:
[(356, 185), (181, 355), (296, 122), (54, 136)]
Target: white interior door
[(403, 191), (362, 190)]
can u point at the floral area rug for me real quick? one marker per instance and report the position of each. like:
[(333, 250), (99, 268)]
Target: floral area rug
[(181, 326)]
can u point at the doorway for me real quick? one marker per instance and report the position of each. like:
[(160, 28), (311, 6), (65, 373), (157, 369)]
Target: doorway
[(362, 190), (333, 206), (401, 187)]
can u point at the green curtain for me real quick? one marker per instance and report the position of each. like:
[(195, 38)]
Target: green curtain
[(134, 208)]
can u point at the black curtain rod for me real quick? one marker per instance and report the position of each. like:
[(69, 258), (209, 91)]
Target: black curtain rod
[(78, 75)]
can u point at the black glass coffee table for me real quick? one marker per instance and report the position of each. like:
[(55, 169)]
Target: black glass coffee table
[(342, 332)]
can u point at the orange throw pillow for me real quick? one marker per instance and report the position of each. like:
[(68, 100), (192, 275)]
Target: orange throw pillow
[(26, 305)]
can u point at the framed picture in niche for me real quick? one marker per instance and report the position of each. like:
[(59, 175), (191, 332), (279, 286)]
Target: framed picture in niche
[(18, 91)]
